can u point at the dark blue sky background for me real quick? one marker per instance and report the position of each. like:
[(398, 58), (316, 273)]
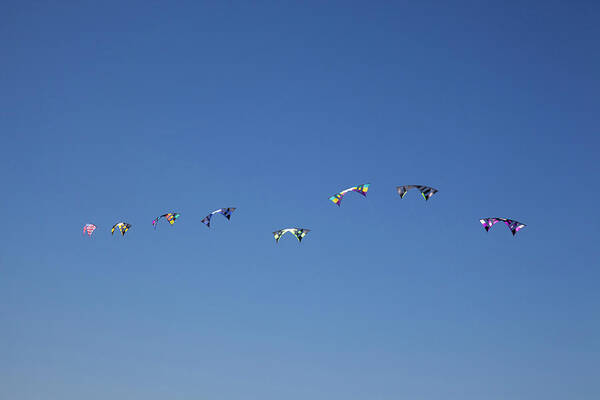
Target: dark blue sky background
[(115, 112)]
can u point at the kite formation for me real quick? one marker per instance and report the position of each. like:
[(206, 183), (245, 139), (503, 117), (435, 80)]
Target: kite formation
[(426, 191)]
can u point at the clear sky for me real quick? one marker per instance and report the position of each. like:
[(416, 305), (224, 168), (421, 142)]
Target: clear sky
[(114, 112)]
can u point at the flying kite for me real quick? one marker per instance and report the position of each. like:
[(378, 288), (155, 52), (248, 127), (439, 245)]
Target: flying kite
[(362, 189), (225, 211), (89, 229), (171, 217), (122, 226), (426, 191), (513, 225), (298, 232)]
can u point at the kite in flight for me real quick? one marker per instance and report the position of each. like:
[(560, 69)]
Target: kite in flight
[(122, 226), (89, 229), (225, 211), (298, 232), (513, 225), (362, 189), (171, 217), (426, 191)]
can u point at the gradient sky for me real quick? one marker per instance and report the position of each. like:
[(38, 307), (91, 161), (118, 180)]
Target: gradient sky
[(111, 112)]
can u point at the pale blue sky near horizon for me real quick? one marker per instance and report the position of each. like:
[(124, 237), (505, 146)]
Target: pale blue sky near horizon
[(119, 111)]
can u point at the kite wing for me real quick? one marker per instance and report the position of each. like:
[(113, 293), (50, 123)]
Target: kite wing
[(300, 233), (171, 217), (226, 212), (89, 229), (426, 191), (336, 198), (513, 225), (278, 234), (488, 223), (124, 228), (206, 220), (362, 189)]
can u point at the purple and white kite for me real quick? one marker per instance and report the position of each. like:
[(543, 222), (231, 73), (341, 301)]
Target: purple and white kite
[(513, 225)]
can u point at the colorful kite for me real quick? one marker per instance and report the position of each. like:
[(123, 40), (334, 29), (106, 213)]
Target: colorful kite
[(362, 189), (298, 232), (123, 228), (89, 229), (513, 225), (225, 211), (171, 217), (426, 191)]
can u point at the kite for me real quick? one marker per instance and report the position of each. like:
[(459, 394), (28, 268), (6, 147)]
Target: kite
[(123, 228), (362, 189), (298, 232), (513, 225), (89, 229), (426, 191), (171, 217), (225, 211)]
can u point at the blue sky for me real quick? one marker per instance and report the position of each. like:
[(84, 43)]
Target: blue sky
[(115, 112)]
